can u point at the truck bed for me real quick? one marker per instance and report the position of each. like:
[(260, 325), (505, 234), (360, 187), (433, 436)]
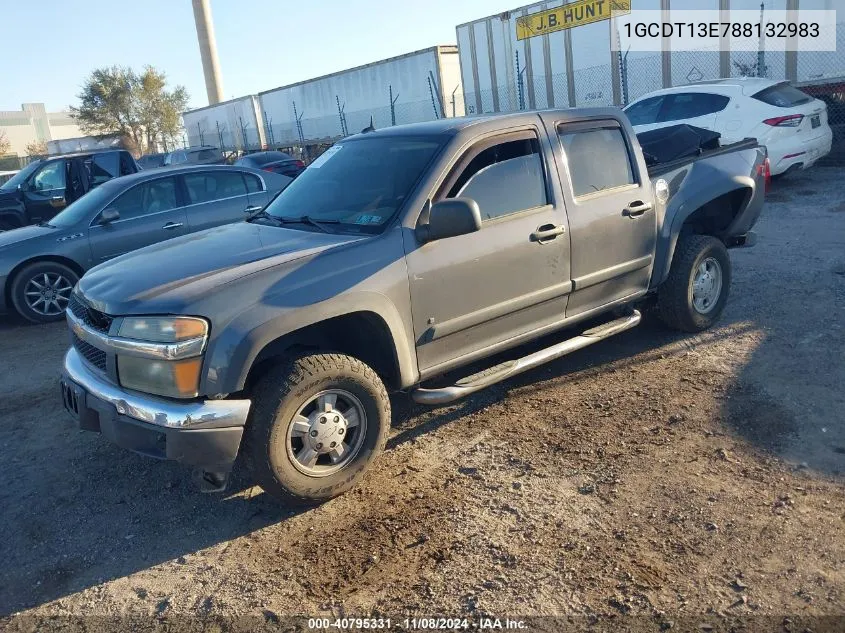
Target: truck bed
[(663, 168)]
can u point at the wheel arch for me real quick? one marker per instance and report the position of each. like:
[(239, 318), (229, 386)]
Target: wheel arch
[(703, 215), (363, 334)]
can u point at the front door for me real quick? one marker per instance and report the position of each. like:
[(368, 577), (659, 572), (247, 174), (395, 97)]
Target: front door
[(473, 291), (612, 219), (150, 212), (44, 193)]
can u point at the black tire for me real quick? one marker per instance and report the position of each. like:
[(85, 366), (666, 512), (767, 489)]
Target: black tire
[(280, 394), (675, 305), (34, 271)]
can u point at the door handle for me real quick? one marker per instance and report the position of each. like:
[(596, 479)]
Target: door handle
[(547, 232), (173, 225), (637, 208), (252, 209)]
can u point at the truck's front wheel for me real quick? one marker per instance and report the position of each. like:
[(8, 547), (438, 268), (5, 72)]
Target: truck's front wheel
[(318, 423), (694, 295)]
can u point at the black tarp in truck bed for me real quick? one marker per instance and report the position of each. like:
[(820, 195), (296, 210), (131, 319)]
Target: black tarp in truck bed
[(668, 144)]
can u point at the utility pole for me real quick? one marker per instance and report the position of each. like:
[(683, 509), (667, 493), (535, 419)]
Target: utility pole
[(208, 51)]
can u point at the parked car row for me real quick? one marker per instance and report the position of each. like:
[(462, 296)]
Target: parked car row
[(790, 123), (46, 186), (272, 161), (39, 265)]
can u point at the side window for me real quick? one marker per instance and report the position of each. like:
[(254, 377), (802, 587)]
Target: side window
[(178, 157), (126, 166), (691, 105), (207, 155), (598, 159), (205, 187), (103, 167), (50, 177), (644, 112), (253, 183), (504, 179), (147, 198)]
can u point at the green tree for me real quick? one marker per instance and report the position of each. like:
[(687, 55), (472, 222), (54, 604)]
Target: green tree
[(5, 145), (118, 101)]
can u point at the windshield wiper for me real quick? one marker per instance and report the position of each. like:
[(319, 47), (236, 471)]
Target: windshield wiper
[(307, 219), (264, 216), (47, 224)]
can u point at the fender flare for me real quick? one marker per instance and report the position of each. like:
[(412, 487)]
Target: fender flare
[(697, 192), (232, 355)]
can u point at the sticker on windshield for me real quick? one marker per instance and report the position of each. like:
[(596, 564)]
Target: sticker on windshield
[(368, 219), (334, 149)]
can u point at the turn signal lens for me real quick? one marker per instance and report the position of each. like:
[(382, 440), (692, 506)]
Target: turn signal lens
[(174, 379)]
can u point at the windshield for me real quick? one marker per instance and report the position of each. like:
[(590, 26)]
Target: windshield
[(20, 177), (359, 183), (84, 208)]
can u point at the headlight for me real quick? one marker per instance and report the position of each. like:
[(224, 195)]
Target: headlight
[(163, 329), (175, 379), (161, 355)]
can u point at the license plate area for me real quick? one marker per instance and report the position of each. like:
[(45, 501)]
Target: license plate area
[(815, 121)]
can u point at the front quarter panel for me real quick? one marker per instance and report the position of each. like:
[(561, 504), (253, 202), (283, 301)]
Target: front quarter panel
[(369, 276)]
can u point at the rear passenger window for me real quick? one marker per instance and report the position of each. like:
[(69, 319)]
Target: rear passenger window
[(103, 167), (205, 187), (253, 184), (504, 179), (598, 159), (149, 197), (690, 105)]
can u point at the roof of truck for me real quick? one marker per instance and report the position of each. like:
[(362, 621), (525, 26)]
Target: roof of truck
[(455, 124)]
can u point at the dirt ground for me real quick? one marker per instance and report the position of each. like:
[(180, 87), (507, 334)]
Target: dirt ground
[(655, 477)]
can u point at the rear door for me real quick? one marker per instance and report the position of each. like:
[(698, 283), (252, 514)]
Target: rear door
[(612, 219), (216, 196), (150, 212), (473, 291)]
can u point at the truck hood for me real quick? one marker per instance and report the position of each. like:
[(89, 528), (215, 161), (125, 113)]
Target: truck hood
[(169, 276)]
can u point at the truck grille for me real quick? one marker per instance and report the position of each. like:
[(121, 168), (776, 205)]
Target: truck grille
[(89, 316), (95, 357)]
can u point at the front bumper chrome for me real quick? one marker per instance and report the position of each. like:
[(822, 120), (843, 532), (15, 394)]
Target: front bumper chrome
[(161, 412)]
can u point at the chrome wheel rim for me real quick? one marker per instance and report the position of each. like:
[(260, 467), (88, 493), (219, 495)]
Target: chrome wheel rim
[(48, 294), (326, 433), (707, 285)]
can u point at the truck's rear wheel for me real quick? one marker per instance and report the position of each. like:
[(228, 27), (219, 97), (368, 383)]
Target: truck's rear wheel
[(694, 295), (318, 423)]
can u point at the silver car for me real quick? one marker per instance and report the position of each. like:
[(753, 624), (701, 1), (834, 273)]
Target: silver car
[(39, 265)]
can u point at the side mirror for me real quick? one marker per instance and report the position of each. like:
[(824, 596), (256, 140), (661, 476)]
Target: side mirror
[(449, 218), (109, 215)]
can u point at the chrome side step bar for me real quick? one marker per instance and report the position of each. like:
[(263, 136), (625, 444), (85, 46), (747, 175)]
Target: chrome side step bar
[(511, 368)]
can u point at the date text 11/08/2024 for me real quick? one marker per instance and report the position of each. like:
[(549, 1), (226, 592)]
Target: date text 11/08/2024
[(417, 624)]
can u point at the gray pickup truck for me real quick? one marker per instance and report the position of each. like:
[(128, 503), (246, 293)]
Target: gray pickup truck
[(396, 257)]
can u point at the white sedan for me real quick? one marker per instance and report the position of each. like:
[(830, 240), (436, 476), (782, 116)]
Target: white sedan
[(790, 123)]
